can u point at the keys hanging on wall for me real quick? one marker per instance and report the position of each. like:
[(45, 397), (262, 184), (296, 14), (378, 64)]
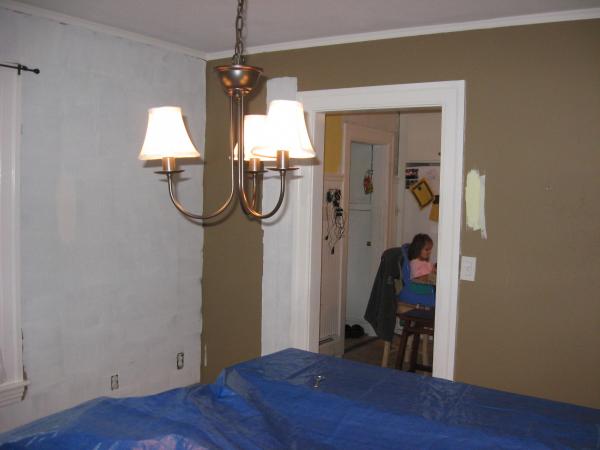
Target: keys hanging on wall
[(334, 215)]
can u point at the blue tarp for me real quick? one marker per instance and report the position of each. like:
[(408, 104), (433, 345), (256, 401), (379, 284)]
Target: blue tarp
[(271, 403)]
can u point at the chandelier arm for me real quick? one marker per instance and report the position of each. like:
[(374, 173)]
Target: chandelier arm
[(254, 190), (223, 207), (192, 215), (259, 215), (251, 208), (279, 201)]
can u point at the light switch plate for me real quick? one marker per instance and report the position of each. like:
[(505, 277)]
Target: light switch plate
[(467, 268)]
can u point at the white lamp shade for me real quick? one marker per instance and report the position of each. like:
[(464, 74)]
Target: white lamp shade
[(286, 130), (254, 135), (166, 135)]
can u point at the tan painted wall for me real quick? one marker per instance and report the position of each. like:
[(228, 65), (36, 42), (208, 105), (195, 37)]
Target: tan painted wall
[(531, 322), (421, 136)]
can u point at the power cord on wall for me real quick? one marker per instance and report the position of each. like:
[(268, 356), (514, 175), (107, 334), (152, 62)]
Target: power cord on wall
[(334, 215)]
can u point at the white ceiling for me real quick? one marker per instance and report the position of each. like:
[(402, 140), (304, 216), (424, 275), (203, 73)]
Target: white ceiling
[(208, 25)]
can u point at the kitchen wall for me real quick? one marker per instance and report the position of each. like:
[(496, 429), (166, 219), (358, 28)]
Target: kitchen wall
[(529, 323), (110, 272), (420, 143)]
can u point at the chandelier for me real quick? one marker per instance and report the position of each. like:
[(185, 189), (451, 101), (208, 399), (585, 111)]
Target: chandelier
[(254, 140)]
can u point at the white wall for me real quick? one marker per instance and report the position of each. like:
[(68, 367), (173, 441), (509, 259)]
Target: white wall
[(110, 273), (276, 326), (419, 141)]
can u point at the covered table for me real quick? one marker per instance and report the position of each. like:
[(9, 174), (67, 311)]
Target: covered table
[(272, 403)]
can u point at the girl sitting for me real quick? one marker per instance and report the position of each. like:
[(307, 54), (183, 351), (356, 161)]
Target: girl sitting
[(419, 253)]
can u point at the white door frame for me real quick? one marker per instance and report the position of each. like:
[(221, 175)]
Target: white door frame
[(306, 210), (292, 266)]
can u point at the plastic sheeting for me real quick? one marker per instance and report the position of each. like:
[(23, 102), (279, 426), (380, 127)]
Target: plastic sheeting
[(271, 403)]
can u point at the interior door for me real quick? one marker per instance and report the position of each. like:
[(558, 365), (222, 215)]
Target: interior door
[(383, 209), (361, 228)]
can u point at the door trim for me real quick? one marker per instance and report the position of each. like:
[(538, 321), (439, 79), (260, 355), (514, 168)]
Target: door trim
[(304, 214)]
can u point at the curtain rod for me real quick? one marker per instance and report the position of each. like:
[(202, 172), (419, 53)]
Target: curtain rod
[(20, 68)]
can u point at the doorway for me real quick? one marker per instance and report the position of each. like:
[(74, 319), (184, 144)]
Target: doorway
[(371, 163), (295, 293), (357, 222)]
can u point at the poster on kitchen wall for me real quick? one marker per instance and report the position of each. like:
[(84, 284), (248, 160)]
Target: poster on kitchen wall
[(411, 176)]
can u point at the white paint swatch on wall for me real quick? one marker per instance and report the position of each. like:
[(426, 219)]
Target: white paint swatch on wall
[(475, 202)]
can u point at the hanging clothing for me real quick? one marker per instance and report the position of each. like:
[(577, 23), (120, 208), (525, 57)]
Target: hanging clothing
[(381, 309)]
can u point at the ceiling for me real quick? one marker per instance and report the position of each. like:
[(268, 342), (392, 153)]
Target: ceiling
[(208, 25)]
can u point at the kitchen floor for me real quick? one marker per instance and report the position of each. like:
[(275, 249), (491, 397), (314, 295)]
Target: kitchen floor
[(369, 350)]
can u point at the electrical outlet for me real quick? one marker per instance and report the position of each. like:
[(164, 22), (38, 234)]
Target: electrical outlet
[(114, 382), (179, 361)]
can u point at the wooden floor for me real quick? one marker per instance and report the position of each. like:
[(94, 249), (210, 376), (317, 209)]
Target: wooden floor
[(369, 350)]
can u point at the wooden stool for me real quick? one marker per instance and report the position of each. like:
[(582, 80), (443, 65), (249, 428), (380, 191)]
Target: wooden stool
[(417, 322), (401, 307)]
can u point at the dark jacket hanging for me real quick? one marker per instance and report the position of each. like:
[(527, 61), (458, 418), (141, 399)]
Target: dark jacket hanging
[(381, 310)]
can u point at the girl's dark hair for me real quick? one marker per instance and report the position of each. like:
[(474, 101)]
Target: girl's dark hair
[(417, 244)]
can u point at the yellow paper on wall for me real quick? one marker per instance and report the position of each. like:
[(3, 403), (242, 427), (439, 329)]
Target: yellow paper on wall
[(422, 193), (434, 214)]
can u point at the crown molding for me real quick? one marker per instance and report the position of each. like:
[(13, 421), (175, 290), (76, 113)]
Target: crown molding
[(113, 31), (529, 19)]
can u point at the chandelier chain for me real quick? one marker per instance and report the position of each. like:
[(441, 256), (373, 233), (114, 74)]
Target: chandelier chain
[(238, 57)]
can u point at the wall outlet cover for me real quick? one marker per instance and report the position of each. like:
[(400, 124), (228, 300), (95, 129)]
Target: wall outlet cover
[(114, 382), (467, 268)]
